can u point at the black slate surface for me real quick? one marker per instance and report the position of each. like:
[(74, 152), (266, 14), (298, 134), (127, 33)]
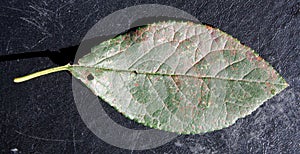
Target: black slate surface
[(40, 116)]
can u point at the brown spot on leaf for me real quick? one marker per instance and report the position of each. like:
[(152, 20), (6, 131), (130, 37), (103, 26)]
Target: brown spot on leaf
[(268, 88), (250, 56), (190, 23), (209, 27), (199, 100), (258, 58), (138, 32), (98, 70), (126, 37), (274, 75), (233, 68), (177, 80), (268, 84), (233, 53)]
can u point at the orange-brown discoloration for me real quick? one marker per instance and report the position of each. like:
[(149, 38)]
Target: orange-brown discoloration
[(268, 84), (268, 88), (138, 32), (233, 53), (250, 56), (233, 68), (98, 70), (189, 110), (209, 27), (258, 58), (177, 80), (199, 100), (274, 75)]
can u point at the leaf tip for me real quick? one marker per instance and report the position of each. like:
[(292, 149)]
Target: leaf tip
[(286, 85)]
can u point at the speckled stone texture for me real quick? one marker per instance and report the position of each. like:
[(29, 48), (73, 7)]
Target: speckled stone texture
[(40, 116)]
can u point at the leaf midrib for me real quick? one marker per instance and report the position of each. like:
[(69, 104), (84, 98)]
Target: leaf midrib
[(184, 75)]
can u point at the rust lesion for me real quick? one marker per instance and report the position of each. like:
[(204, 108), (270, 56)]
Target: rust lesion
[(176, 80), (258, 58), (209, 27), (202, 104), (250, 56), (141, 34), (233, 68)]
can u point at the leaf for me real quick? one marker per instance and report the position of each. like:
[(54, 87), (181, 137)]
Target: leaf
[(177, 76)]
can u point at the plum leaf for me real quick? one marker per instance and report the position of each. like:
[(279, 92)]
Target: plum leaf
[(175, 76)]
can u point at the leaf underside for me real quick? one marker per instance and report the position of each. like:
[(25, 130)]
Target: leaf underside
[(179, 76)]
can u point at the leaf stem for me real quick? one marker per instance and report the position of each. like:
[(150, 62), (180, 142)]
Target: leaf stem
[(40, 73)]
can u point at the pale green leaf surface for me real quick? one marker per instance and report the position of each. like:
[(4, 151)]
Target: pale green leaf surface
[(179, 76)]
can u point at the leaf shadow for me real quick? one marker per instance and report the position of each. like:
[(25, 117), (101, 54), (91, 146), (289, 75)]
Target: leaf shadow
[(61, 57)]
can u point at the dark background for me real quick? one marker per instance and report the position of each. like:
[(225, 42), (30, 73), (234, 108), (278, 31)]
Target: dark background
[(40, 116)]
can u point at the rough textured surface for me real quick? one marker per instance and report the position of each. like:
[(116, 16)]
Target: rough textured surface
[(179, 76), (40, 116)]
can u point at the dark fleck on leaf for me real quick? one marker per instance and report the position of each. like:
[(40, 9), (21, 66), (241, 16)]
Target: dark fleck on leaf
[(90, 77)]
